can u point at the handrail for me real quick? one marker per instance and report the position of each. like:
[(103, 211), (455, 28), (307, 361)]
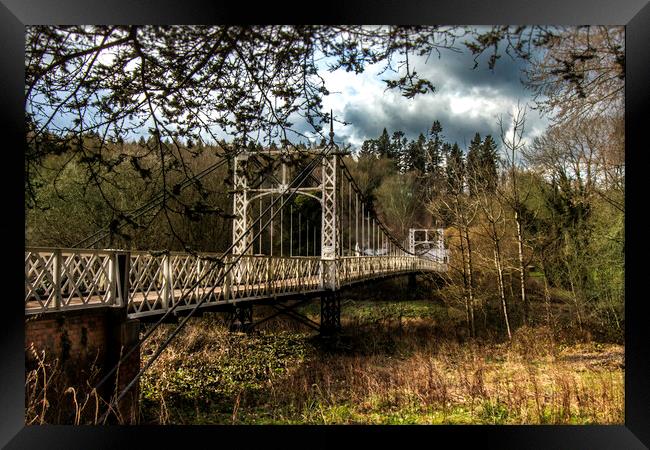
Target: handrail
[(65, 278)]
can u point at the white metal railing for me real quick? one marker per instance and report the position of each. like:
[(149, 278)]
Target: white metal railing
[(70, 278), (355, 268), (57, 279)]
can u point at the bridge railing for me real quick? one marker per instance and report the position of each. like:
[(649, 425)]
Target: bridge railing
[(58, 279), (70, 278), (158, 282), (355, 268)]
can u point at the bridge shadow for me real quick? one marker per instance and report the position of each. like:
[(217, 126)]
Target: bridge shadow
[(388, 337), (380, 318)]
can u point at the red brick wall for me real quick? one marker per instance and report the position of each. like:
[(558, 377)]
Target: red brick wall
[(73, 334), (85, 340)]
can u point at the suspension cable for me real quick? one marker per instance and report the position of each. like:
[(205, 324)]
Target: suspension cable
[(364, 199), (161, 348), (103, 232)]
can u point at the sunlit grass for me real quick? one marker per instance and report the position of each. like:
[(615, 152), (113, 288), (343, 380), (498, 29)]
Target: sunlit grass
[(394, 363)]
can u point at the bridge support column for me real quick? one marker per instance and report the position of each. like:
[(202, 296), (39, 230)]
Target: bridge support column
[(330, 313), (123, 334), (240, 207), (330, 222), (242, 318), (84, 345), (412, 283)]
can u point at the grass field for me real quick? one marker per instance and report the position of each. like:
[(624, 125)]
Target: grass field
[(403, 361)]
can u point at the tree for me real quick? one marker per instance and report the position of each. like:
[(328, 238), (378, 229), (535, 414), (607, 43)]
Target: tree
[(474, 169), (415, 158), (460, 214), (369, 172), (482, 181), (574, 72), (398, 202), (433, 149), (494, 228), (382, 145), (514, 144), (455, 170), (433, 169), (368, 148), (488, 161), (583, 214), (398, 145)]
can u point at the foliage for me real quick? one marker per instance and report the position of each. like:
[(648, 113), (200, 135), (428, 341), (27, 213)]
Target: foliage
[(397, 362)]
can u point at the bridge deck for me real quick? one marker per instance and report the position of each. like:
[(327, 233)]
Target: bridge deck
[(58, 279)]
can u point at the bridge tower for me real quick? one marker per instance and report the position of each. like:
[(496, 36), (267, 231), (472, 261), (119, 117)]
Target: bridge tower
[(244, 194), (430, 242), (330, 250), (330, 315), (240, 238)]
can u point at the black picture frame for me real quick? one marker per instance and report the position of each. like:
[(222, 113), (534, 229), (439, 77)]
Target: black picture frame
[(15, 14)]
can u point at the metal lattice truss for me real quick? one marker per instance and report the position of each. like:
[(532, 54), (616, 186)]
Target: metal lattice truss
[(428, 243), (353, 269), (61, 278), (240, 224), (244, 194), (330, 224), (90, 278)]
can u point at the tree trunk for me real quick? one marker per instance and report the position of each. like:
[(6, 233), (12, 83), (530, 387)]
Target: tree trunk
[(465, 277), (470, 281), (522, 269), (547, 300), (502, 294), (462, 253), (575, 301)]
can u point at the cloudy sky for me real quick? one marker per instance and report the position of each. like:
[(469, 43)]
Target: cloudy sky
[(465, 101)]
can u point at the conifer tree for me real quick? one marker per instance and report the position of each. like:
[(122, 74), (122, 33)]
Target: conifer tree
[(398, 145), (488, 160), (415, 159), (368, 148), (382, 145), (455, 170), (474, 175)]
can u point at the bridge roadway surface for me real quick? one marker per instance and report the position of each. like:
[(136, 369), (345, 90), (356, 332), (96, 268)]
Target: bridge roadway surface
[(90, 278)]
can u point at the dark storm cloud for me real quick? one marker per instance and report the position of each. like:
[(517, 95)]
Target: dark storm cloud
[(492, 93), (466, 100), (452, 70), (370, 122)]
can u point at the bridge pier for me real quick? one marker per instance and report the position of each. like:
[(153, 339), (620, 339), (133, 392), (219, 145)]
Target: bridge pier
[(412, 282), (330, 313), (242, 317), (84, 345)]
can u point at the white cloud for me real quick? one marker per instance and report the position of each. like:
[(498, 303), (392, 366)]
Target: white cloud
[(462, 100)]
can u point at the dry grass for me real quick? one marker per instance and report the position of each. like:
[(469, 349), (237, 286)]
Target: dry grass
[(528, 382), (391, 372), (58, 393), (395, 362)]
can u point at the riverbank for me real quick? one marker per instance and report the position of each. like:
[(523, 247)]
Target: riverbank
[(396, 362)]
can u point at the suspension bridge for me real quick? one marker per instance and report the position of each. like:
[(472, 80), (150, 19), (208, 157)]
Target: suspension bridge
[(302, 229), (278, 251)]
